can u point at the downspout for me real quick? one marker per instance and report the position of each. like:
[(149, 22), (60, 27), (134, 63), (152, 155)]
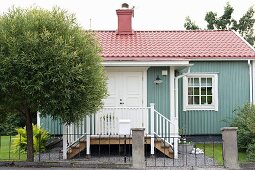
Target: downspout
[(250, 74)]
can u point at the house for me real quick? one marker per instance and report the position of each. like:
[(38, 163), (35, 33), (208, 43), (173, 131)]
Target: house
[(166, 81)]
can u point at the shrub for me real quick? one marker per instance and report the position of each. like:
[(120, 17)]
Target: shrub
[(251, 152), (40, 137), (245, 121)]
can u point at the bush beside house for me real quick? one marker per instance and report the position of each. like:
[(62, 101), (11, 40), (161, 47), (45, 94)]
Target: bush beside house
[(245, 121)]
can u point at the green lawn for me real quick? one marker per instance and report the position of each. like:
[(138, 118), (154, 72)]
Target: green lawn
[(218, 153), (6, 152), (212, 151)]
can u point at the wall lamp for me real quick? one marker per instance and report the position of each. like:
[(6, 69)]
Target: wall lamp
[(158, 80)]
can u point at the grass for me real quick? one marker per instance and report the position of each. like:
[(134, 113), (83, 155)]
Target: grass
[(212, 151), (217, 155), (6, 151)]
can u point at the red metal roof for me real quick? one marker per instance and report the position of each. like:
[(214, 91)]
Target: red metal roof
[(173, 45)]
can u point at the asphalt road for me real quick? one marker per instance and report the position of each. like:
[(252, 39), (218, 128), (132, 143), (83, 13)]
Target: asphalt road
[(151, 168)]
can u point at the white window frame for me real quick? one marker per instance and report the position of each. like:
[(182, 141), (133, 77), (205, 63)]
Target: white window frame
[(214, 105)]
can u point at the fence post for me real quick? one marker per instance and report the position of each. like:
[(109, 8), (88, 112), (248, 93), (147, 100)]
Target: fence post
[(138, 158), (230, 151), (65, 141), (88, 135), (152, 108)]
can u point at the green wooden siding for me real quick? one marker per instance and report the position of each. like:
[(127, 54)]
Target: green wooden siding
[(158, 93), (51, 125), (233, 92)]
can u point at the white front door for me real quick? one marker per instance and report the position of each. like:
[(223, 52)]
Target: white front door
[(125, 89), (125, 93)]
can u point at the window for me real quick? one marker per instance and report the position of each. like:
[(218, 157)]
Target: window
[(200, 92)]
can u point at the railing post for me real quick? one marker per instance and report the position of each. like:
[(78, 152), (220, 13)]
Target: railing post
[(152, 108), (88, 135), (176, 137), (175, 147), (65, 141)]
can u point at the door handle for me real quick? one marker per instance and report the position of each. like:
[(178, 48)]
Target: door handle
[(121, 101)]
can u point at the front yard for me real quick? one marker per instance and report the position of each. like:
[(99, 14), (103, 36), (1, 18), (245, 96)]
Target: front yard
[(216, 153), (6, 150)]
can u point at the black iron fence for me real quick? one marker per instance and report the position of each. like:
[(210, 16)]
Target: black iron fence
[(13, 148), (190, 153), (118, 149)]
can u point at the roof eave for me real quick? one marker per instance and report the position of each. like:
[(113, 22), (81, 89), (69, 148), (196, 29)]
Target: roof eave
[(146, 63)]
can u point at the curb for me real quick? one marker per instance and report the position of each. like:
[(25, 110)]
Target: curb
[(64, 164)]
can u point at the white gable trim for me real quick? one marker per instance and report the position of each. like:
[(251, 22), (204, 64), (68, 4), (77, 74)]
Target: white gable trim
[(237, 34)]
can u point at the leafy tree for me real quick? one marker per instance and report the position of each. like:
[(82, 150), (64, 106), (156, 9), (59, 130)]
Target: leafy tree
[(10, 122), (190, 25), (48, 64), (245, 25)]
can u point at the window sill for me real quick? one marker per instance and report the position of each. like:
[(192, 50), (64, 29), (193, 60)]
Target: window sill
[(188, 108)]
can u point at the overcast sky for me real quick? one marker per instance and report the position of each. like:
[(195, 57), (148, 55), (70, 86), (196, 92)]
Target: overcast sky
[(149, 14)]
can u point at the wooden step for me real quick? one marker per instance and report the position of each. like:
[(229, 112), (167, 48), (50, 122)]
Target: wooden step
[(76, 149), (165, 149)]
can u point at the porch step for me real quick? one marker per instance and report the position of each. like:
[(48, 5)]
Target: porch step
[(82, 144), (75, 150), (164, 148)]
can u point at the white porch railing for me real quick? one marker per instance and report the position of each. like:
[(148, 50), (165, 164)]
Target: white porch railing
[(107, 122), (165, 129)]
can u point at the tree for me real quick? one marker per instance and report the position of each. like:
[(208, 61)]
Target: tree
[(48, 64), (245, 25), (190, 25)]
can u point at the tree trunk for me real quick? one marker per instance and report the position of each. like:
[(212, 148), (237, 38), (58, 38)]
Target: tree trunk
[(30, 144)]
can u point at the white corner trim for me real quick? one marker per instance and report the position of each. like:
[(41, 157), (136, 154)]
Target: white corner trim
[(215, 103), (185, 93), (216, 92), (144, 84), (253, 81), (38, 119), (171, 90)]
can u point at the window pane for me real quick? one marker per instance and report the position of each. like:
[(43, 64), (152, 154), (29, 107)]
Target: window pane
[(203, 100), (190, 80), (196, 99), (209, 81), (190, 100), (209, 99), (203, 81), (203, 90), (209, 90), (190, 91), (196, 91), (196, 81)]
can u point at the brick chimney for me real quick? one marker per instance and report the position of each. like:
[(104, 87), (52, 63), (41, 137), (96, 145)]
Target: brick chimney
[(125, 19)]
